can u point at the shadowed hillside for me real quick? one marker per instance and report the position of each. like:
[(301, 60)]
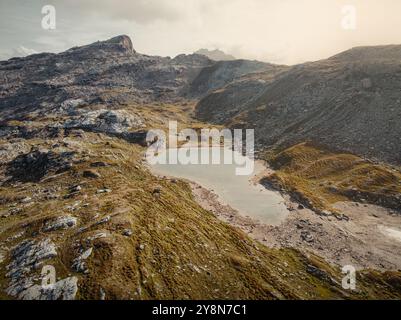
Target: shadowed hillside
[(350, 102)]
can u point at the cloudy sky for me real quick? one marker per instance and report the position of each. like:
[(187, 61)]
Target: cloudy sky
[(279, 31)]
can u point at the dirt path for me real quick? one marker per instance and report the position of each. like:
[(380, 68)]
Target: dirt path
[(370, 238)]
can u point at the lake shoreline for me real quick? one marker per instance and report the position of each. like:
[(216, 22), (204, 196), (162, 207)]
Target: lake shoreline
[(362, 240), (359, 242), (242, 192)]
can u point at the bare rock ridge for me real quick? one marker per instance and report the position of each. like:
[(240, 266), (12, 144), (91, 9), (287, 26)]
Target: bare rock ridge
[(223, 73), (350, 102), (387, 52), (121, 43), (124, 42), (216, 54), (106, 73)]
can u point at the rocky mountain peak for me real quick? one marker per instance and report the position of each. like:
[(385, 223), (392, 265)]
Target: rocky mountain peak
[(120, 43), (216, 55)]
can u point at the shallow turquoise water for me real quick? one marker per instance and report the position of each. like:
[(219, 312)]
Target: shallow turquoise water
[(235, 190)]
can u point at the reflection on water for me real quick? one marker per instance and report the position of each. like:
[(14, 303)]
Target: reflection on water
[(234, 190)]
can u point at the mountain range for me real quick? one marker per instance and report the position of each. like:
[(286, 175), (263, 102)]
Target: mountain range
[(77, 194)]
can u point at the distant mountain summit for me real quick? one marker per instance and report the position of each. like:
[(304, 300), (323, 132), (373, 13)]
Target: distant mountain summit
[(122, 44), (216, 55)]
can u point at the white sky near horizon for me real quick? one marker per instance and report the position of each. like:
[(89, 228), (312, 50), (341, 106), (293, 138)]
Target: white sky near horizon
[(277, 31)]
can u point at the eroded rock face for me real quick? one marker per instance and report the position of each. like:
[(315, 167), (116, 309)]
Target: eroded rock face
[(106, 73), (27, 257), (124, 42), (79, 264), (9, 151), (60, 223), (121, 43), (33, 166), (107, 121), (65, 289), (70, 106)]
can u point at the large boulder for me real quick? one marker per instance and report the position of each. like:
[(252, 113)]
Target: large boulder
[(106, 121), (33, 166)]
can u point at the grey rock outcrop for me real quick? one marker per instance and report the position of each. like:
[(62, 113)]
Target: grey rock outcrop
[(9, 151), (79, 264), (27, 257), (35, 164), (65, 289), (60, 223), (107, 121)]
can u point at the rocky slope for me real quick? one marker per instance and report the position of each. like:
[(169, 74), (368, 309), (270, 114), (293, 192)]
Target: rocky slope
[(224, 73), (105, 73), (108, 73), (350, 102), (112, 230)]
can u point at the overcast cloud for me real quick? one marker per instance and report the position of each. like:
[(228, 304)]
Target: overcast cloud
[(279, 31)]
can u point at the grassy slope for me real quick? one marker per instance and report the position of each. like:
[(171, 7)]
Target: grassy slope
[(323, 178), (177, 249)]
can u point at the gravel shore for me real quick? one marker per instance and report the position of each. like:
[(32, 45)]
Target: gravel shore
[(368, 239)]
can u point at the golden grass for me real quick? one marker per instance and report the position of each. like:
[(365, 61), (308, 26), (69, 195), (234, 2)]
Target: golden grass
[(324, 177)]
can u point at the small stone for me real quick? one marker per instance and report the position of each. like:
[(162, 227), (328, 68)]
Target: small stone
[(103, 191), (99, 164), (105, 219), (60, 223), (306, 236), (91, 174), (76, 188), (26, 200), (326, 213), (157, 190), (102, 294), (127, 232), (341, 217), (97, 236), (79, 263)]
